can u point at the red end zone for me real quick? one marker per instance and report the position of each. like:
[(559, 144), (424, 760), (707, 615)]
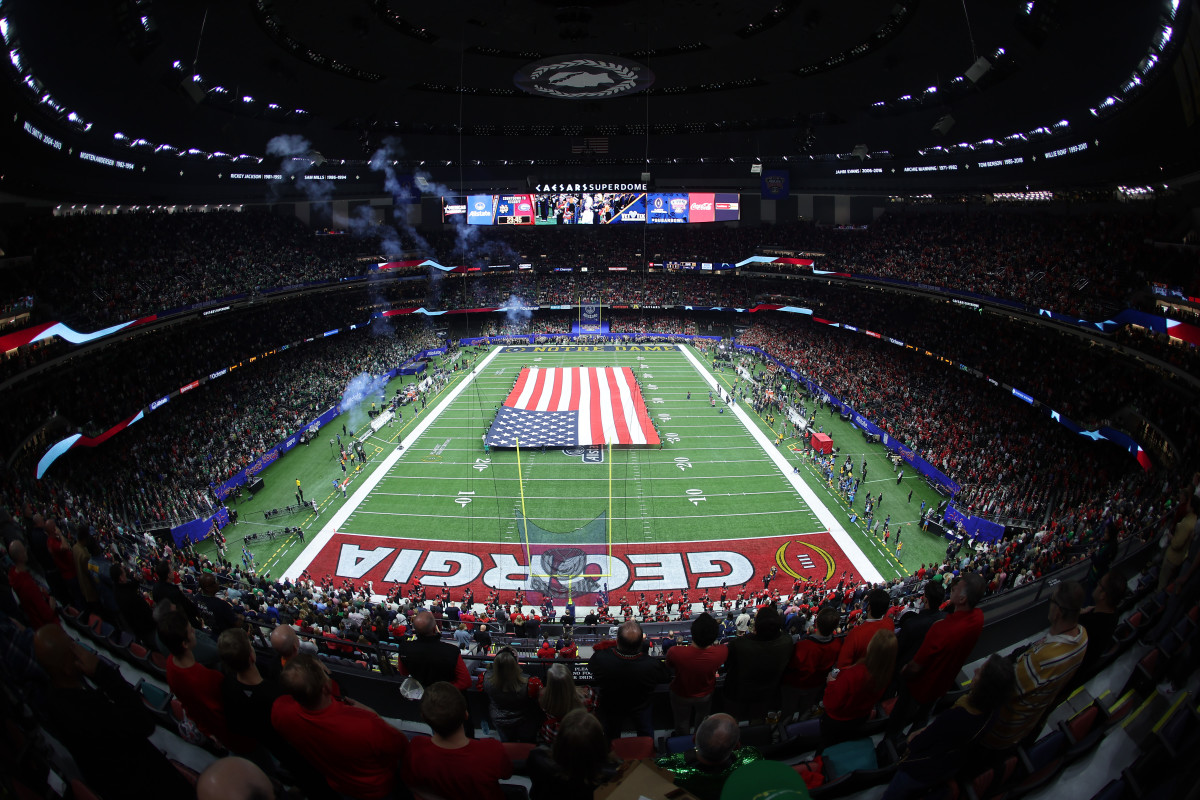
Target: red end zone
[(563, 569)]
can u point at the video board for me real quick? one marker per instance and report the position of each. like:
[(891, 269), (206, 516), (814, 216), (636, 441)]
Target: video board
[(591, 208), (693, 207)]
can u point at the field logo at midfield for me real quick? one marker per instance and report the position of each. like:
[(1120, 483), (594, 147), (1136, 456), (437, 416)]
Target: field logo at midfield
[(580, 563), (588, 455)]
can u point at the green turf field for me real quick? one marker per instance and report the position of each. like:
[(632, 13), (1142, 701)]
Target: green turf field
[(711, 480)]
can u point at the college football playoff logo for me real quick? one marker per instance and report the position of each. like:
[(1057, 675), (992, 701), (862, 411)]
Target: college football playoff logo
[(583, 77)]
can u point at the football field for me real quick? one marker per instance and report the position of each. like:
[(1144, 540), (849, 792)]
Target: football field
[(717, 503)]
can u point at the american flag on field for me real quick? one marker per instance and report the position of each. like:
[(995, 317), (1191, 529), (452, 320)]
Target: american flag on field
[(573, 407)]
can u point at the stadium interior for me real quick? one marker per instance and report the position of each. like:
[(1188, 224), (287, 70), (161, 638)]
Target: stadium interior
[(950, 245)]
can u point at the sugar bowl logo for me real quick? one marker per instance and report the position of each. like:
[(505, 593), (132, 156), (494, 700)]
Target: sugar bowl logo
[(583, 77)]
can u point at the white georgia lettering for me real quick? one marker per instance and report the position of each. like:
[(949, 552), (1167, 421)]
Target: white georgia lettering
[(468, 568), (668, 569), (740, 568), (354, 563), (507, 574), (402, 568)]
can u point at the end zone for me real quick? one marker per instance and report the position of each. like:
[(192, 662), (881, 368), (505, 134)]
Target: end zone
[(739, 564)]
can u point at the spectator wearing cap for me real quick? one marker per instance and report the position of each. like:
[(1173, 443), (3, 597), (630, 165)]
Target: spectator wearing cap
[(626, 677), (704, 769), (356, 751), (695, 673), (755, 667), (1043, 669), (449, 763), (854, 647)]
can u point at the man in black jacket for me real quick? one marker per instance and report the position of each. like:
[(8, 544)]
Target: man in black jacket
[(429, 659), (627, 677)]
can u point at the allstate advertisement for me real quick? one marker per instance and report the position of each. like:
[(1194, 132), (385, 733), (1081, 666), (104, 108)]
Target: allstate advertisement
[(481, 209)]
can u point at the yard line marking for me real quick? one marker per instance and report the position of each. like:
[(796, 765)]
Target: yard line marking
[(318, 542), (604, 479), (575, 496), (792, 511), (853, 552)]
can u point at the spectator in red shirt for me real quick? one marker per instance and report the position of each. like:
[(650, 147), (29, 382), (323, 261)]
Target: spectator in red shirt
[(812, 659), (853, 692), (449, 763), (37, 604), (546, 650), (854, 648), (197, 687), (353, 747), (932, 671), (569, 649), (695, 668), (60, 551)]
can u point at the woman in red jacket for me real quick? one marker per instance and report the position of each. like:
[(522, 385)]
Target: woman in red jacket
[(852, 692)]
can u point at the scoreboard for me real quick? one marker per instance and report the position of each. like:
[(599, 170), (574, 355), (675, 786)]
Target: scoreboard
[(592, 208)]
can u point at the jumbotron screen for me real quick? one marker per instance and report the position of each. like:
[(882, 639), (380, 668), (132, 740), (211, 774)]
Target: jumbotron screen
[(591, 208)]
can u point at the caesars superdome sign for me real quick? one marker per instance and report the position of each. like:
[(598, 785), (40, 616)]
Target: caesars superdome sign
[(583, 77)]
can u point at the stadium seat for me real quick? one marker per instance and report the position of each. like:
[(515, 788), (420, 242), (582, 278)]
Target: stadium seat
[(518, 753), (668, 745), (80, 791), (190, 775), (1084, 731), (1121, 709), (633, 747), (1041, 762), (157, 664), (120, 640), (1114, 790), (73, 616)]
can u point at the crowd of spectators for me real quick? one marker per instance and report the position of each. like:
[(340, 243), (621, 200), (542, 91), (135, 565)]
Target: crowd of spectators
[(111, 268), (163, 467), (248, 659), (1087, 383)]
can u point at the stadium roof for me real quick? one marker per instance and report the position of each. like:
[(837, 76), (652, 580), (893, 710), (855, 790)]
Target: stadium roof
[(517, 87)]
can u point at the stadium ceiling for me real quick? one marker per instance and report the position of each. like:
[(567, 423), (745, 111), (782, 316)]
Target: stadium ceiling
[(531, 85)]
